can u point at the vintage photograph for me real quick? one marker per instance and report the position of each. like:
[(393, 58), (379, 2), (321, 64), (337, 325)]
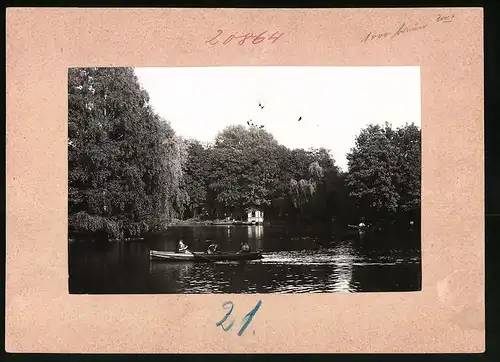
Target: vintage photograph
[(249, 179)]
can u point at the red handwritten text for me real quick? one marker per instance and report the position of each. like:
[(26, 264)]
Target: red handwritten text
[(242, 39)]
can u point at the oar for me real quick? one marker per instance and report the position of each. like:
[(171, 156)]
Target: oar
[(201, 256)]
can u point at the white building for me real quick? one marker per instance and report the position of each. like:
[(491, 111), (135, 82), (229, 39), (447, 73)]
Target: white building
[(255, 216)]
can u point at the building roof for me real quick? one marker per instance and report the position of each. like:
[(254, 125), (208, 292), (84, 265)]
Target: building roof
[(250, 208)]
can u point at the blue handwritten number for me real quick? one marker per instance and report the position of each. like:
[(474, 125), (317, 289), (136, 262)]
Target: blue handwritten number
[(248, 318), (220, 324)]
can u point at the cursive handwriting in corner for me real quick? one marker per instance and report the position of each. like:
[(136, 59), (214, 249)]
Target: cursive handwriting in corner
[(373, 36), (405, 28), (445, 19)]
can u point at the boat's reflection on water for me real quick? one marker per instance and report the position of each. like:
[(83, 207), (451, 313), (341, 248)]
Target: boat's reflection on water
[(192, 277), (327, 270), (176, 268)]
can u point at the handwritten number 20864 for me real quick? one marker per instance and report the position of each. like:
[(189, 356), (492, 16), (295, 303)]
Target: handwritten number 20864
[(256, 38)]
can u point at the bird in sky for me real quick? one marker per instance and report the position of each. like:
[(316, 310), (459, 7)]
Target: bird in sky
[(300, 118), (261, 106)]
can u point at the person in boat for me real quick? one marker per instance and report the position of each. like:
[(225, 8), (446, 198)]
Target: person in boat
[(181, 247), (212, 248), (362, 227), (244, 247)]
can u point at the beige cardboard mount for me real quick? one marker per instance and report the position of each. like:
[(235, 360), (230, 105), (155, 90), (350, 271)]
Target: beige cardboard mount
[(447, 315)]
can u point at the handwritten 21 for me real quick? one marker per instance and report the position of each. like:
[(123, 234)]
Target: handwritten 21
[(245, 321), (257, 38)]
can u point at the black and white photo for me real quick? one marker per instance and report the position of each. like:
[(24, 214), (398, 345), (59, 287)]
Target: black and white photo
[(244, 180)]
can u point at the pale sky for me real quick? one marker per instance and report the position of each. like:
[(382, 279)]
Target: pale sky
[(335, 103)]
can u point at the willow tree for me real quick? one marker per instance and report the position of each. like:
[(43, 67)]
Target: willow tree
[(309, 194), (124, 160)]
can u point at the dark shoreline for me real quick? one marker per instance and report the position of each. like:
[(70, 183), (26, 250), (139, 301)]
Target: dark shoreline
[(336, 232)]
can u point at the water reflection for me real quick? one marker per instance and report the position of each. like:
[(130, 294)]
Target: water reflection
[(255, 236), (293, 263), (344, 266)]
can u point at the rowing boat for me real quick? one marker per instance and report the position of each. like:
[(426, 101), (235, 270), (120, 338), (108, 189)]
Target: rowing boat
[(202, 257)]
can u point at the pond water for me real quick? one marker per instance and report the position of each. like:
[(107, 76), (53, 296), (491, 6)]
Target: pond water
[(296, 260)]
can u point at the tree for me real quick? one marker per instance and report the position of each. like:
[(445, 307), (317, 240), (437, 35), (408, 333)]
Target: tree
[(384, 171), (316, 172), (244, 167), (196, 174), (408, 142), (124, 161), (313, 183)]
